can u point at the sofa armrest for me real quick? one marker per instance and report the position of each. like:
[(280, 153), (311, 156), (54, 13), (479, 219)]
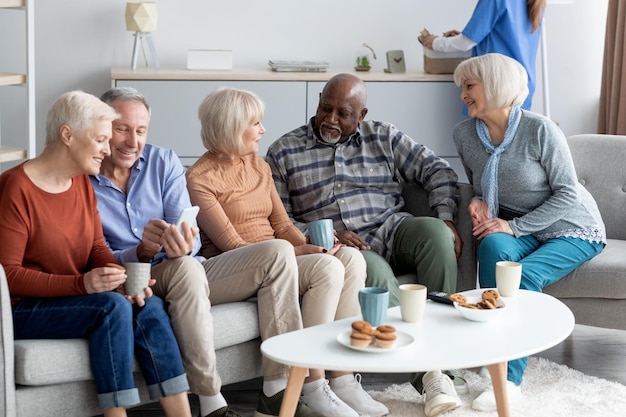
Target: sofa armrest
[(416, 203), (7, 372)]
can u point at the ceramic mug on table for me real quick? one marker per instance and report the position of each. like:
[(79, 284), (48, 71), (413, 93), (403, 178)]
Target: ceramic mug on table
[(374, 303), (508, 278), (137, 277), (322, 233), (412, 302)]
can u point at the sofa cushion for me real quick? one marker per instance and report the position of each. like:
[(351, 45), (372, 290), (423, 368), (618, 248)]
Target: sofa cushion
[(42, 362), (604, 276)]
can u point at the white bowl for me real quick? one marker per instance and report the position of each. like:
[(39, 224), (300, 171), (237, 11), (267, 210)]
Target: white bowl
[(480, 315)]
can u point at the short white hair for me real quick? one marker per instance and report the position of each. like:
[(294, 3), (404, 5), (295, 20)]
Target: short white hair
[(504, 79)]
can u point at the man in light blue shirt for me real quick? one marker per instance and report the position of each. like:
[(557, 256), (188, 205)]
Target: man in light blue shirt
[(141, 191)]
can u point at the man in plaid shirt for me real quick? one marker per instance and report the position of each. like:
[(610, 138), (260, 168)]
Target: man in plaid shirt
[(342, 167)]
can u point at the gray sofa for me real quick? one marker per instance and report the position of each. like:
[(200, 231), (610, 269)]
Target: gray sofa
[(52, 377), (596, 291)]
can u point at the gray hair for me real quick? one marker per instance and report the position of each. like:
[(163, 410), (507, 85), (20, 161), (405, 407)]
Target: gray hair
[(224, 116), (124, 94), (78, 110), (504, 79)]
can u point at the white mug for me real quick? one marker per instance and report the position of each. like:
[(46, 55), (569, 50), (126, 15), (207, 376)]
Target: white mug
[(508, 278), (412, 302)]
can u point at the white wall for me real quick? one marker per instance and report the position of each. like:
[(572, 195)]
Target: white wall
[(78, 41)]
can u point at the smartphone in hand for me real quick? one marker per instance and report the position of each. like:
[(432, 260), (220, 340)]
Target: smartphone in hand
[(186, 215)]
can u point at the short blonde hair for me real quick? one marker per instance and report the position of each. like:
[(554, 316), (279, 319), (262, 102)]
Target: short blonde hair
[(224, 116), (78, 110), (504, 79)]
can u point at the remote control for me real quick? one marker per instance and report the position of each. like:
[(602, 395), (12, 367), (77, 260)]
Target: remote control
[(440, 297)]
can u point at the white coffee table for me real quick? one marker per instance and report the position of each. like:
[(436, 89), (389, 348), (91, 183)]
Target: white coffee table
[(443, 340)]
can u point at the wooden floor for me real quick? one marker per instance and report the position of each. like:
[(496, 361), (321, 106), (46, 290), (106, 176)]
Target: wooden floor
[(591, 350)]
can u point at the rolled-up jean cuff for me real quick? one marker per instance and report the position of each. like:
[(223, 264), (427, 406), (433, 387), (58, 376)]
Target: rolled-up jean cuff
[(125, 398), (169, 387)]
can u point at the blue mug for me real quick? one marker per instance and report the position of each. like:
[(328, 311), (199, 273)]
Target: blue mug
[(322, 233), (374, 303)]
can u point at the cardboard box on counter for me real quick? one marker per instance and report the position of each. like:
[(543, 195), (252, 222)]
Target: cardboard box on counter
[(436, 62)]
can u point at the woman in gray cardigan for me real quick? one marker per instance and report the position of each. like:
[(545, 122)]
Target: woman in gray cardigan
[(528, 206)]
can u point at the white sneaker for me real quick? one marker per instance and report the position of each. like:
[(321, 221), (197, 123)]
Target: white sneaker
[(439, 394), (487, 400), (460, 385), (324, 401), (358, 399)]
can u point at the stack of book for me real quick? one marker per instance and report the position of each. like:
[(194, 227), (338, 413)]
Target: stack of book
[(303, 66)]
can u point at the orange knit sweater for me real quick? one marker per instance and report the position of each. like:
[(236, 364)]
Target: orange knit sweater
[(238, 203)]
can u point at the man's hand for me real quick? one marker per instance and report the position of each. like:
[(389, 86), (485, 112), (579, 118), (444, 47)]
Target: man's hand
[(458, 242), (451, 33), (103, 279), (351, 239), (177, 245), (151, 240)]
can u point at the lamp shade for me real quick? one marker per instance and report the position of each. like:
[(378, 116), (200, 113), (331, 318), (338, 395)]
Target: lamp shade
[(141, 17)]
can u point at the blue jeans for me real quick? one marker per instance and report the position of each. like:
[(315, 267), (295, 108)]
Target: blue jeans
[(116, 329), (543, 263)]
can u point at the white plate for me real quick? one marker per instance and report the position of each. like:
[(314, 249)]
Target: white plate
[(403, 340)]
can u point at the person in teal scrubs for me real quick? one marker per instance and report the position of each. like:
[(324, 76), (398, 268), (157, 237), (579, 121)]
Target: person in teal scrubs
[(507, 27)]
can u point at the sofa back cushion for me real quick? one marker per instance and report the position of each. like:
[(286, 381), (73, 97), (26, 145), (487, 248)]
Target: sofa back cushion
[(599, 162)]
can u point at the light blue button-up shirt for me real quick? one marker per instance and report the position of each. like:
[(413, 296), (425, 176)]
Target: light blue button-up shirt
[(157, 189)]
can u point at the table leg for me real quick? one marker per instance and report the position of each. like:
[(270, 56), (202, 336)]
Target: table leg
[(498, 380), (292, 392)]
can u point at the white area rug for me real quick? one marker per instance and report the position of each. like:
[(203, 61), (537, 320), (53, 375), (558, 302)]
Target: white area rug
[(549, 390)]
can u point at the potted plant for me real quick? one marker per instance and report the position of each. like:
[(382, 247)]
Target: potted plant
[(362, 63), (363, 60)]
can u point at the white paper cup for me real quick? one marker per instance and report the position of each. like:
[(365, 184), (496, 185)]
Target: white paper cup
[(508, 278), (137, 277), (412, 302)]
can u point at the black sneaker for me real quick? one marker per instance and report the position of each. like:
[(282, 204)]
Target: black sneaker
[(221, 412), (270, 407)]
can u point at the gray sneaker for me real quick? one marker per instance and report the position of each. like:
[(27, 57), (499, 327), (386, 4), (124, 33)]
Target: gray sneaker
[(439, 394)]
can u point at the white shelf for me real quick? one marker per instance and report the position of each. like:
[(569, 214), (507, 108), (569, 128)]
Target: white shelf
[(27, 79), (12, 3), (8, 154), (10, 78)]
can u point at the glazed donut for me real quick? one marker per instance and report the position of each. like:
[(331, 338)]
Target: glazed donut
[(112, 265)]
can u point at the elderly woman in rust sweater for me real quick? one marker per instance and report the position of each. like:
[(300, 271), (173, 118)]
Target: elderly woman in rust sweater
[(239, 205), (56, 262)]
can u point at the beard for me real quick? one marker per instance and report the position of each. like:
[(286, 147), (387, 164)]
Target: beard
[(334, 136)]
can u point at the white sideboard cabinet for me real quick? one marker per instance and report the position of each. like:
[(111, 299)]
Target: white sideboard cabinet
[(424, 106)]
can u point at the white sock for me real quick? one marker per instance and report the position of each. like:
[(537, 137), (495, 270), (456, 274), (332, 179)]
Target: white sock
[(273, 387), (341, 381), (208, 404), (309, 387)]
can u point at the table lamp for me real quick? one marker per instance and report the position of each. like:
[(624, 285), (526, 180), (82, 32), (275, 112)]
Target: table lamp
[(141, 18)]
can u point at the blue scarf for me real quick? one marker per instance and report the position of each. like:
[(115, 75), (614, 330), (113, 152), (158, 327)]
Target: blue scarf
[(489, 180)]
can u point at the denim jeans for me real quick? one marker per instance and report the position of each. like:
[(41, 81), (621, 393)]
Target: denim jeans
[(543, 263), (116, 329)]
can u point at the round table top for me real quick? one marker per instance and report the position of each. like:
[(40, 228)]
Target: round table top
[(532, 322)]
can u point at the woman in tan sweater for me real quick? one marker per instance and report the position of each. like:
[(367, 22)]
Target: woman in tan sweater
[(239, 206)]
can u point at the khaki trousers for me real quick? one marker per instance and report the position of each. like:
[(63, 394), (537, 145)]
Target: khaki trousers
[(266, 270)]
